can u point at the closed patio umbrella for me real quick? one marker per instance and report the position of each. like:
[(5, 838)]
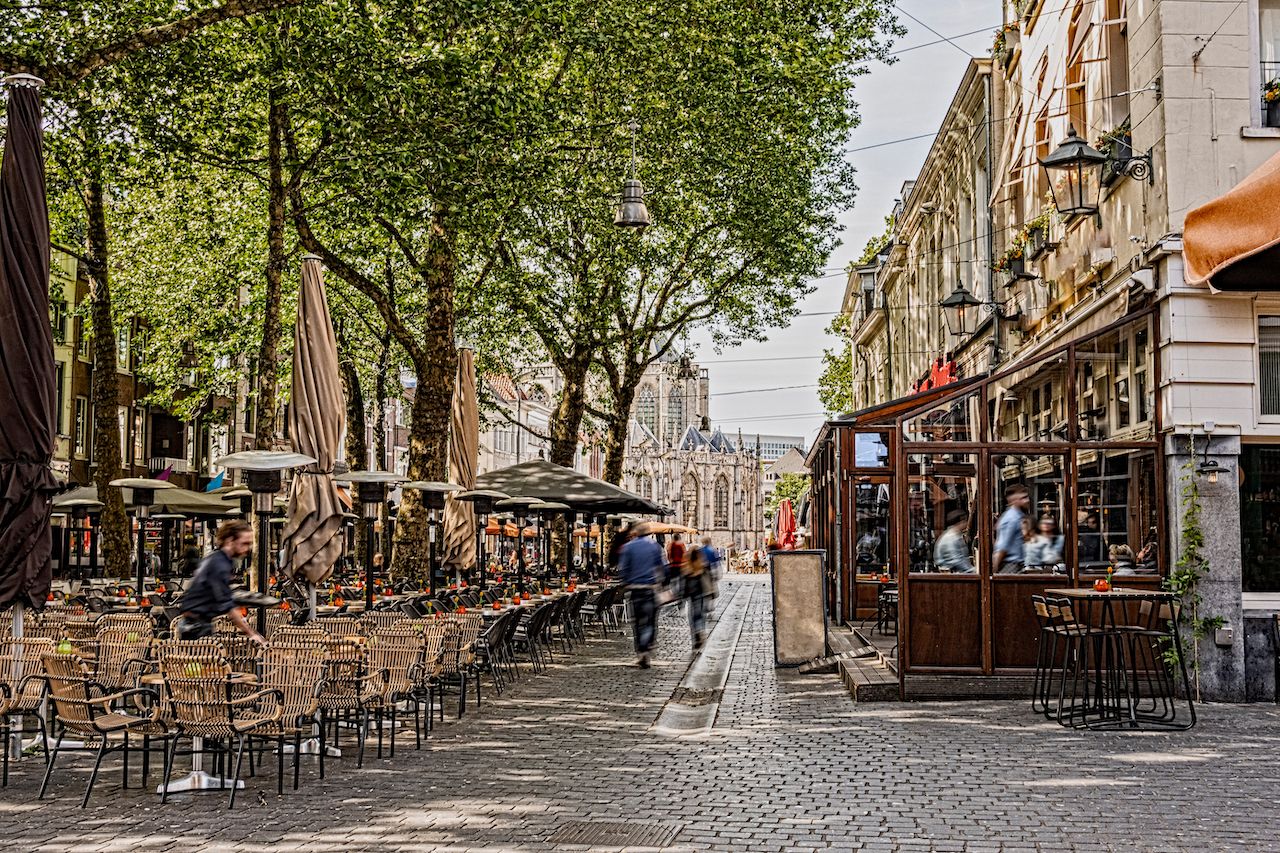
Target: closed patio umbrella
[(26, 358), (785, 525), (464, 452), (312, 535)]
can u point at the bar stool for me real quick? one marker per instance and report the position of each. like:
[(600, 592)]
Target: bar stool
[(1061, 636), (886, 610)]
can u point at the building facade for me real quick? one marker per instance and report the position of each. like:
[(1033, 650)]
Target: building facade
[(675, 457), (1172, 93)]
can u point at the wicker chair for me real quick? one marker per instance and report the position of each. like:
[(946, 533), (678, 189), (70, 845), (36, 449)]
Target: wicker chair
[(381, 619), (200, 693), (397, 651), (295, 672), (22, 689), (458, 662), (425, 674), (341, 626), (84, 711), (348, 687), (309, 633), (123, 655), (276, 618)]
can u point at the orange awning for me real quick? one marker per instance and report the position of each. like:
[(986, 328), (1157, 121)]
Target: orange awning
[(1233, 242)]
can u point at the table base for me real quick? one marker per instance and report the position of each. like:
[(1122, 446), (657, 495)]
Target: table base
[(198, 780)]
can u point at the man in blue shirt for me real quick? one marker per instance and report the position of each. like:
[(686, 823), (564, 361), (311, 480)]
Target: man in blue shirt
[(1008, 556), (640, 567), (209, 593)]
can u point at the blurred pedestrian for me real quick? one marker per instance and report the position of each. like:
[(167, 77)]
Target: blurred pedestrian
[(640, 567), (208, 596)]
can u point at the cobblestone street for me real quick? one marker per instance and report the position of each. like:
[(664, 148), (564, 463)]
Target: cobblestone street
[(791, 764)]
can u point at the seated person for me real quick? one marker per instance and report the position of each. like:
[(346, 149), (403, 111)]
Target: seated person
[(1043, 551), (951, 552), (1122, 560)]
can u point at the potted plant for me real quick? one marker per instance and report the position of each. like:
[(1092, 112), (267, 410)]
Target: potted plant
[(1006, 42), (1118, 146), (1271, 100), (1013, 261), (1036, 234)]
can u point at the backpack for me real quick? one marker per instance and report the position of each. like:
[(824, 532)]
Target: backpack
[(695, 563)]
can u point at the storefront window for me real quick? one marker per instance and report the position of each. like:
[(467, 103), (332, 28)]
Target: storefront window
[(1030, 404), (870, 450), (941, 502), (1029, 529), (1260, 518), (1115, 397), (955, 420), (871, 534), (1117, 509)]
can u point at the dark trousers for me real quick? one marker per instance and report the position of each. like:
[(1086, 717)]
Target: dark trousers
[(194, 628), (642, 619), (697, 603)]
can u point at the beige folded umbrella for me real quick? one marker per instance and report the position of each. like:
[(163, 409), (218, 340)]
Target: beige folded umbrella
[(464, 453), (1233, 242), (313, 533)]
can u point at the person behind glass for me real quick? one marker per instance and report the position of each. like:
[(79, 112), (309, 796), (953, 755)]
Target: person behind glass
[(208, 596), (1044, 549), (1089, 540), (1122, 560), (951, 552), (1009, 546), (640, 568)]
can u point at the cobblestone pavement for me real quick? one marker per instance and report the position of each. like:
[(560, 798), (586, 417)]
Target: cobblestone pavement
[(791, 764)]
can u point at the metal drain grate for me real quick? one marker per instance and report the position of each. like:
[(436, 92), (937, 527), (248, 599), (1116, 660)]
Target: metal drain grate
[(611, 833), (695, 697)]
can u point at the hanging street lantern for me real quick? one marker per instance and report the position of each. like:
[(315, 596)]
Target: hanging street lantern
[(1074, 170), (960, 309), (632, 212)]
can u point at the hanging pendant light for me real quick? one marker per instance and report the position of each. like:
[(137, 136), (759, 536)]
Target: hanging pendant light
[(632, 212), (960, 309)]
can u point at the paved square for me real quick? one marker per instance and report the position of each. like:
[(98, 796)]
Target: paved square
[(791, 764)]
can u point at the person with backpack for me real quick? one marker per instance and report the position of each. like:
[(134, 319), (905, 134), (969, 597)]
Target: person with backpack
[(693, 576)]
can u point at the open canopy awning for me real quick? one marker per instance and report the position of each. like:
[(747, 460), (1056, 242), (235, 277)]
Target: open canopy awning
[(551, 482), (1233, 242)]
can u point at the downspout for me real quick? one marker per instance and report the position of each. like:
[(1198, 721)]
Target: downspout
[(888, 342), (991, 285)]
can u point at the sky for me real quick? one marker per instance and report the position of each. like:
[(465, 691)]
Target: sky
[(904, 99)]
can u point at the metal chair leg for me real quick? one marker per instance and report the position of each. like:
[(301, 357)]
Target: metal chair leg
[(93, 777), (48, 768), (235, 777)]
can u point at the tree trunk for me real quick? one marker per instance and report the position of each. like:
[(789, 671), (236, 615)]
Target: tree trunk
[(355, 445), (267, 422), (113, 522), (436, 367), (566, 421), (618, 425)]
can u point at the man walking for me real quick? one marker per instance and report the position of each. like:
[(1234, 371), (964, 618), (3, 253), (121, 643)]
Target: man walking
[(640, 567), (1009, 550), (209, 594)]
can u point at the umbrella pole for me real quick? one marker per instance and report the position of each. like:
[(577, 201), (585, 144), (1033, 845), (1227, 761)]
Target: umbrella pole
[(311, 601), (15, 741), (368, 565)]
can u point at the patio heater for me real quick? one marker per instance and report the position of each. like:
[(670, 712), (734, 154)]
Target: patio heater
[(520, 508), (246, 500), (167, 520), (263, 474), (80, 510), (144, 495), (602, 519), (548, 511), (482, 501), (433, 495), (371, 487)]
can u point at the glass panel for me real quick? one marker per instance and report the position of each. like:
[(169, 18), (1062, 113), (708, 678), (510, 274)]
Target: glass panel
[(1117, 511), (1260, 518), (941, 497), (871, 531), (1269, 364), (1029, 533), (870, 450), (1113, 382), (1031, 404), (953, 420)]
